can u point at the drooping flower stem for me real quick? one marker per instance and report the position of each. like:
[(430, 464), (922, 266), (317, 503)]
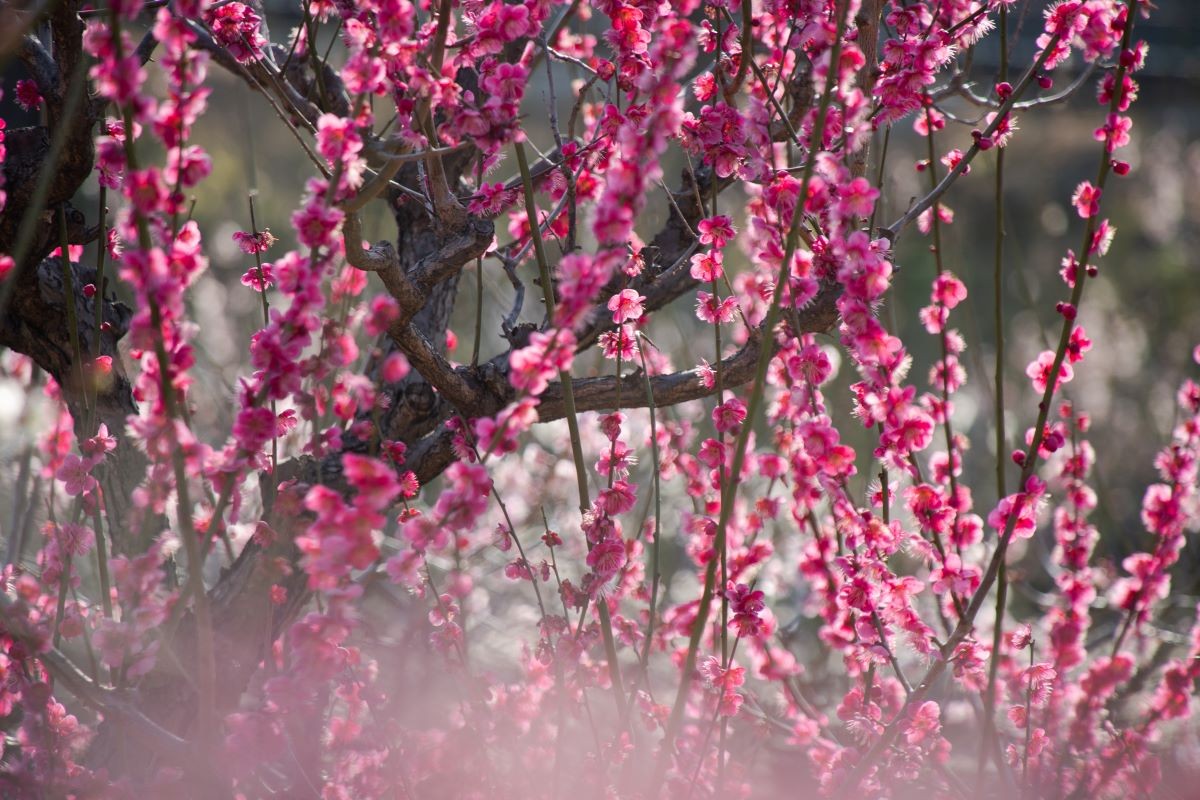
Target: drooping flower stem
[(756, 398), (989, 697), (610, 646), (205, 657), (966, 623)]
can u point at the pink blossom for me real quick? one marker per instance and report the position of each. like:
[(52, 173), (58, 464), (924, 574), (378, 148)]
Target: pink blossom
[(1114, 133), (1024, 505), (707, 266), (383, 312), (259, 278), (1086, 200), (606, 558), (315, 223), (716, 231), (1040, 370), (858, 199), (75, 473), (236, 27), (395, 368), (729, 416), (626, 305), (533, 366), (251, 243), (374, 481), (714, 310), (926, 723), (253, 428)]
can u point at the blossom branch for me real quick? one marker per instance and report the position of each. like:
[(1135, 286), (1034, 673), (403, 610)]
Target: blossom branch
[(926, 202), (966, 622)]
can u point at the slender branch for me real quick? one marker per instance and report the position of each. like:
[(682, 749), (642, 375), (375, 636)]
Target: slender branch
[(593, 394), (918, 208), (614, 668), (989, 697)]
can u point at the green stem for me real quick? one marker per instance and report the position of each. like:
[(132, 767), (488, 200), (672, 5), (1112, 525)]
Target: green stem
[(657, 511), (610, 646), (989, 697)]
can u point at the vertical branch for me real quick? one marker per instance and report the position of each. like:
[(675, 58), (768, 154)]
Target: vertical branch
[(657, 508), (989, 697), (868, 18), (206, 663), (443, 199), (936, 223), (266, 309), (564, 376), (722, 479), (68, 276)]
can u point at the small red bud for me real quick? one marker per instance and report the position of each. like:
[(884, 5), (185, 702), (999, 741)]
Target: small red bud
[(106, 327), (1128, 58), (1045, 81), (89, 290), (1092, 271), (1004, 90), (1120, 167), (1018, 457), (984, 142)]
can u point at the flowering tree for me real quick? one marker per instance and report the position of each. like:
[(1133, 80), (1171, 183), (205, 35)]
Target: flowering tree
[(542, 573)]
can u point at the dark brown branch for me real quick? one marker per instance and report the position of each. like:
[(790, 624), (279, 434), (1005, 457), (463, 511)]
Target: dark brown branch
[(595, 394), (867, 21), (667, 275), (35, 326), (434, 367), (458, 247)]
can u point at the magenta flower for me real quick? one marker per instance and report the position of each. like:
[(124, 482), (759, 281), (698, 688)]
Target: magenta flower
[(626, 305), (75, 473), (251, 243), (1086, 200), (27, 95)]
